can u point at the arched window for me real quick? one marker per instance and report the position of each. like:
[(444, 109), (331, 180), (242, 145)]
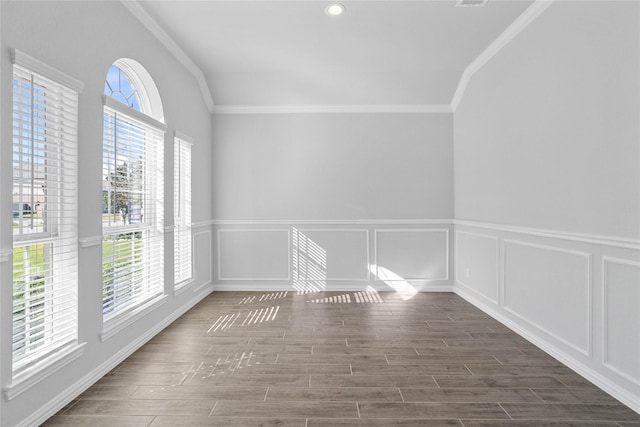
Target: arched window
[(118, 86), (132, 191)]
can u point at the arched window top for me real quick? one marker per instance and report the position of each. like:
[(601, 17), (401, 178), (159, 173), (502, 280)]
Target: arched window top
[(130, 83), (118, 86)]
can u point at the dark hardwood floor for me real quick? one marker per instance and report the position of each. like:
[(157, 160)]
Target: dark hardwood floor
[(341, 359)]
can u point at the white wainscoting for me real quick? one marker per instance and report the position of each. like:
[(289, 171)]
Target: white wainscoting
[(333, 255), (575, 296), (254, 254), (202, 255), (550, 288), (477, 263), (342, 254), (412, 254), (621, 317)]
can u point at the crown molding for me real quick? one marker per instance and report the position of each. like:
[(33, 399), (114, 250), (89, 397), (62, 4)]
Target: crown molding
[(527, 17), (152, 25), (315, 109)]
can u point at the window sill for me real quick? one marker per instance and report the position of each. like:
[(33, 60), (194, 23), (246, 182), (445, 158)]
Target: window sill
[(38, 372), (182, 286), (124, 320), (5, 255)]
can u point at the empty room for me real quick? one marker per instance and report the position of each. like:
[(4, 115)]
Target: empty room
[(305, 213)]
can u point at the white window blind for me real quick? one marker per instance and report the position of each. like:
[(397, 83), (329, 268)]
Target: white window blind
[(133, 209), (45, 205), (183, 252)]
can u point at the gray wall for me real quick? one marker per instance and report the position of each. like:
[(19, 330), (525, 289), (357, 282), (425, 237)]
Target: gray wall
[(371, 192), (332, 166), (547, 132), (547, 189), (82, 39)]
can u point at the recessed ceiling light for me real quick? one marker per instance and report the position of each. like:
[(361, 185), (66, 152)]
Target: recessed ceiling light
[(335, 9)]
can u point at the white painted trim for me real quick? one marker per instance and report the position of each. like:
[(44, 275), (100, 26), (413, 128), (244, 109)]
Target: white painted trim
[(182, 137), (589, 373), (197, 289), (585, 351), (37, 373), (202, 223), (32, 64), (606, 260), (377, 285), (321, 109), (358, 230), (126, 319), (294, 222), (527, 17), (5, 255), (138, 11), (138, 115), (455, 263), (181, 288), (41, 414), (394, 230), (286, 230), (596, 239), (87, 242)]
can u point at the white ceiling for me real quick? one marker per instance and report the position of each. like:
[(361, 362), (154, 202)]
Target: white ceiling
[(277, 53)]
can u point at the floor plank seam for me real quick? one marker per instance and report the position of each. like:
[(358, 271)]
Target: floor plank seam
[(213, 409), (505, 411), (482, 376)]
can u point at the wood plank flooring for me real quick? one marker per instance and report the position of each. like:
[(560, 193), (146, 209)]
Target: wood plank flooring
[(340, 359)]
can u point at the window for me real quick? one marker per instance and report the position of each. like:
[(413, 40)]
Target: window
[(45, 248), (182, 210), (133, 193)]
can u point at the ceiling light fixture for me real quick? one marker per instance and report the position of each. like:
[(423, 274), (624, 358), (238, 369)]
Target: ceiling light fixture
[(335, 9)]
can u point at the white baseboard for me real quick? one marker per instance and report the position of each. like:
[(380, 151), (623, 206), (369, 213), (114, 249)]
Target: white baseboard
[(598, 379), (329, 287), (46, 411)]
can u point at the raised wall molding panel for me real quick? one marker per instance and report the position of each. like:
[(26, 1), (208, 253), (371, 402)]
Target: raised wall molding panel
[(202, 255), (412, 254), (576, 296), (254, 254), (550, 288), (477, 263), (333, 254), (621, 317)]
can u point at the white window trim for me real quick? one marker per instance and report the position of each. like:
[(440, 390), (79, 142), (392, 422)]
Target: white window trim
[(125, 109), (42, 370), (5, 255), (117, 321), (26, 373), (20, 58), (127, 318), (180, 287)]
